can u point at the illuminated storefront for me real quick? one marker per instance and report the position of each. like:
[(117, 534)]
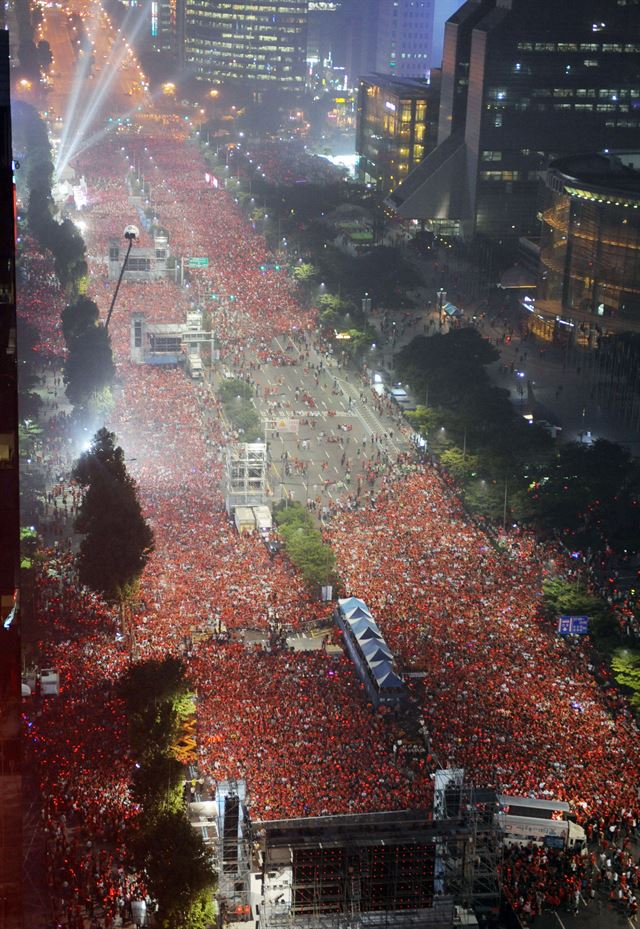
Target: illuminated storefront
[(590, 250)]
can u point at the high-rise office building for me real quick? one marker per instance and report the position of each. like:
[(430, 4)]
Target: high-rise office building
[(405, 34), (323, 30), (396, 127), (163, 25), (258, 43), (523, 83), (394, 37)]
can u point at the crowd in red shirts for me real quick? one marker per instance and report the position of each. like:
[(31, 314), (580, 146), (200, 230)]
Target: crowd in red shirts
[(506, 698), (299, 729), (287, 163), (503, 696)]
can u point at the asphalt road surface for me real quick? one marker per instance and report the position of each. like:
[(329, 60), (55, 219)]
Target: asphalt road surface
[(341, 437), (599, 914), (86, 96)]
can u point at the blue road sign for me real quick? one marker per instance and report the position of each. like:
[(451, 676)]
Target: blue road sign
[(573, 625)]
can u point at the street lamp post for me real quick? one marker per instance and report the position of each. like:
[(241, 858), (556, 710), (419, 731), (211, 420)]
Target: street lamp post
[(131, 233)]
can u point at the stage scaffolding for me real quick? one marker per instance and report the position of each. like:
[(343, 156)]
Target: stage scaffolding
[(245, 475), (468, 857), (392, 870), (232, 850)]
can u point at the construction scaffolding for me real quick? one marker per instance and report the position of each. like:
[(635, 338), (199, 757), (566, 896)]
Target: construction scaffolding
[(232, 850), (245, 477)]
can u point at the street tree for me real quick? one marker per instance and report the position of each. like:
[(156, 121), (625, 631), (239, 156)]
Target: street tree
[(117, 540), (567, 598), (181, 877), (89, 367), (304, 272), (304, 544), (77, 317), (591, 493), (626, 668)]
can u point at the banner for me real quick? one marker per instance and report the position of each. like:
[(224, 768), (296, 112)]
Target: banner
[(287, 425)]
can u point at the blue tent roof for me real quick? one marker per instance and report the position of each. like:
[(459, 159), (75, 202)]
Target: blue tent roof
[(381, 670), (351, 605), (389, 681), (365, 629), (376, 650)]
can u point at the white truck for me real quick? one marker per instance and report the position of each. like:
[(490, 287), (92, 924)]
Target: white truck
[(543, 822), (244, 519), (264, 522), (194, 366)]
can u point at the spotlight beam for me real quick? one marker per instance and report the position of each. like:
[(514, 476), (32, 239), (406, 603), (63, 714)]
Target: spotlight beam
[(95, 101), (76, 89)]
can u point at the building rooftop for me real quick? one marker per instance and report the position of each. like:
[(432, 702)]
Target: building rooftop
[(614, 172), (401, 86)]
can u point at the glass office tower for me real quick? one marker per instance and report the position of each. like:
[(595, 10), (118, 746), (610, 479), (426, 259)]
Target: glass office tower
[(259, 43), (524, 83), (396, 127), (591, 239)]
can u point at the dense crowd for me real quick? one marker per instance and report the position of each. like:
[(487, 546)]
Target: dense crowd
[(516, 706), (40, 304), (299, 729), (287, 163), (537, 878), (505, 697)]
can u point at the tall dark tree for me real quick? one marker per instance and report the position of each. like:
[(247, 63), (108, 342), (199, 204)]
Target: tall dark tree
[(89, 366), (45, 58), (117, 539), (592, 493), (182, 877), (77, 317)]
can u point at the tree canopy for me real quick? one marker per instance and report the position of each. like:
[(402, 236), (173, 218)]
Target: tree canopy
[(566, 598), (181, 878), (590, 492), (304, 544), (117, 540), (89, 367), (181, 874), (79, 316)]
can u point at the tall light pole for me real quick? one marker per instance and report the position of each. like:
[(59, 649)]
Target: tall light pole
[(131, 233)]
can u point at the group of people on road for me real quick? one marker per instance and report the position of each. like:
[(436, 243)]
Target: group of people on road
[(505, 697), (501, 696), (283, 164)]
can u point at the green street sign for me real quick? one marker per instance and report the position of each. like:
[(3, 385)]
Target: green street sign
[(198, 262)]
